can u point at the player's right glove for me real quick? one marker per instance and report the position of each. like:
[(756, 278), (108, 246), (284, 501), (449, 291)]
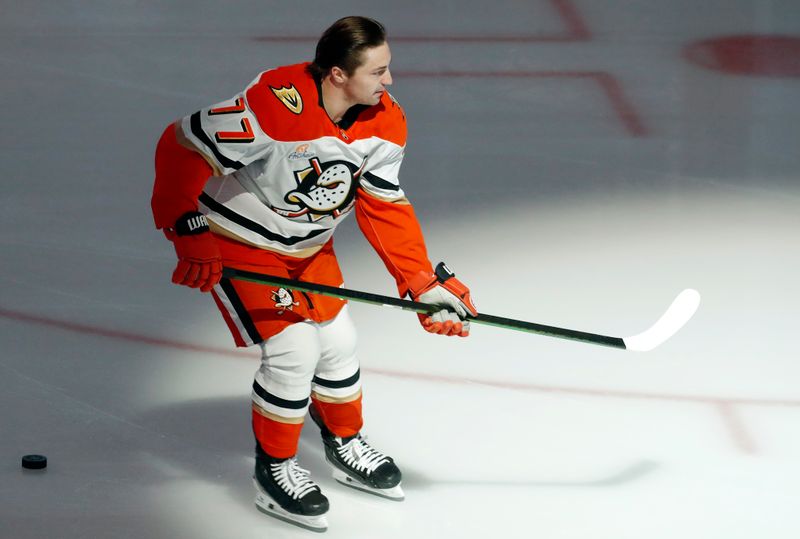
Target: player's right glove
[(199, 259), (444, 290)]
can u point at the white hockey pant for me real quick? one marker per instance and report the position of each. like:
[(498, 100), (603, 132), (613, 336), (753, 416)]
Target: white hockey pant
[(307, 357)]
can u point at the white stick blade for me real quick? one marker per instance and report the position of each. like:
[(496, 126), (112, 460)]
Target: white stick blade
[(681, 310)]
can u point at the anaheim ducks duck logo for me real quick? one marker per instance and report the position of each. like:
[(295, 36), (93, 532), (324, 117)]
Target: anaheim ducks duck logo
[(289, 97), (323, 189), (284, 300)]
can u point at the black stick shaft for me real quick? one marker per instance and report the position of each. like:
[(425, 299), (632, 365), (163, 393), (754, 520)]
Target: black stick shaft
[(415, 306)]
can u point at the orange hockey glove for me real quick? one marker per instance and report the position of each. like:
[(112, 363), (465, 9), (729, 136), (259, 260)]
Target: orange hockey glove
[(199, 259), (444, 290)]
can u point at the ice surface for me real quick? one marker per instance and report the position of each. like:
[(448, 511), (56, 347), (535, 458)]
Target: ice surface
[(531, 179)]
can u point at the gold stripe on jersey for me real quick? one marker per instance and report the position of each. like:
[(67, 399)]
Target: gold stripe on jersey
[(302, 253)]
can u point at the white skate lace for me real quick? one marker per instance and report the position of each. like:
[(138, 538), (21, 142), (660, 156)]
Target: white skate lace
[(293, 479), (360, 455)]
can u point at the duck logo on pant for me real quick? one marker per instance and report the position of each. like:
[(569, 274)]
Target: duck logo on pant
[(284, 300), (323, 189)]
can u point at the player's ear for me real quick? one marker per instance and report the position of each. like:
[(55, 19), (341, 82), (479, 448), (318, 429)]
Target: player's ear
[(338, 75)]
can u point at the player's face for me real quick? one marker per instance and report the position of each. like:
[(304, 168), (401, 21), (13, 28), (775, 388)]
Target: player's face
[(369, 81)]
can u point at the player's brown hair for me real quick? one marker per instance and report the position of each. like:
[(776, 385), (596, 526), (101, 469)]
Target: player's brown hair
[(343, 43)]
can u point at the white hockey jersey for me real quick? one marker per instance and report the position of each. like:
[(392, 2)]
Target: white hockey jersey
[(285, 174)]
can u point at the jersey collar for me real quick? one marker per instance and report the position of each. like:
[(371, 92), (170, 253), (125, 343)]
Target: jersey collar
[(349, 117)]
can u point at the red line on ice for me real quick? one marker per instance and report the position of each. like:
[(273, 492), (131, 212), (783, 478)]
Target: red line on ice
[(611, 87), (733, 422), (576, 30), (725, 406), (242, 354), (576, 26), (117, 334)]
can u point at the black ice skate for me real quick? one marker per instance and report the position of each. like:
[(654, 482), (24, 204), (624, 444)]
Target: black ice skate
[(285, 490), (357, 464)]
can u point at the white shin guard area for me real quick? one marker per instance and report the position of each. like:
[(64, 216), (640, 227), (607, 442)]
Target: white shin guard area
[(307, 357)]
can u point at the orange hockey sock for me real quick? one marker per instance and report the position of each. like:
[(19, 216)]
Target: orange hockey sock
[(277, 439), (341, 418)]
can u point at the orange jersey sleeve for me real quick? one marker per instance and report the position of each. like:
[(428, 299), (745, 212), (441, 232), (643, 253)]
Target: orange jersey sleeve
[(181, 175), (394, 232)]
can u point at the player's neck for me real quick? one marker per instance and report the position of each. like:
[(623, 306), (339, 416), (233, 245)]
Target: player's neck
[(334, 101)]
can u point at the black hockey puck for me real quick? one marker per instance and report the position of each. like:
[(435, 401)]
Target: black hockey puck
[(34, 462)]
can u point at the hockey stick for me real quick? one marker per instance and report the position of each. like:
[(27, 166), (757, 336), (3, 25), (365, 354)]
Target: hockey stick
[(678, 313)]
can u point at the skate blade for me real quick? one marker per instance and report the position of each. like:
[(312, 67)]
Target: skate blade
[(268, 506), (395, 493)]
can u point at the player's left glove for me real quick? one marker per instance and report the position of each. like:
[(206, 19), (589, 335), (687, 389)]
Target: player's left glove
[(199, 259), (444, 290)]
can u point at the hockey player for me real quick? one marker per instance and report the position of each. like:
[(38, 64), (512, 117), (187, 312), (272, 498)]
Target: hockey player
[(259, 182)]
